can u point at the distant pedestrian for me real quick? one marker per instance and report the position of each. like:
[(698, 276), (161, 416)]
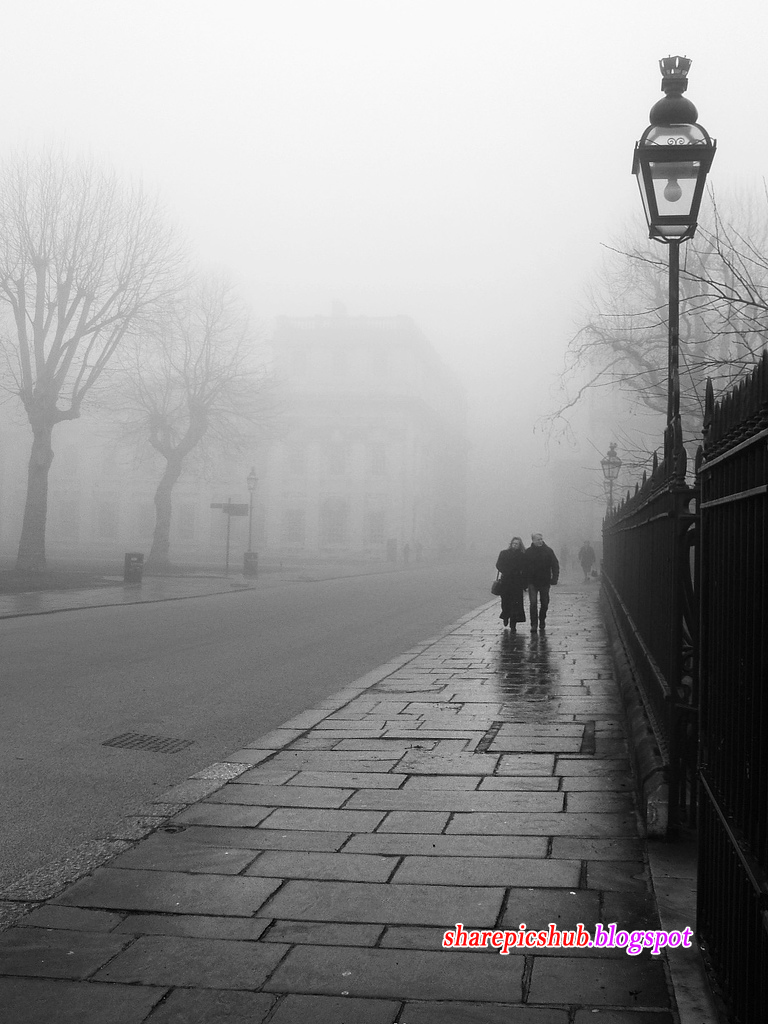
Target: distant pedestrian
[(542, 570), (587, 558), (511, 565)]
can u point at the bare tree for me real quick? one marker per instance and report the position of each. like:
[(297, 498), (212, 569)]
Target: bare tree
[(84, 260), (622, 342), (195, 391)]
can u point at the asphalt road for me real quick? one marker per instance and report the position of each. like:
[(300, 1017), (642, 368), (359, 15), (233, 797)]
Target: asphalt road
[(218, 670)]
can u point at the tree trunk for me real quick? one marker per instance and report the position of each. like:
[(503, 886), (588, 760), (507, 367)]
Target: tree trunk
[(159, 555), (31, 554)]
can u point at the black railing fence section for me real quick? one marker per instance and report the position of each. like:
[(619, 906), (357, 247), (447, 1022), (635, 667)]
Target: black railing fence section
[(685, 574), (648, 555), (733, 757)]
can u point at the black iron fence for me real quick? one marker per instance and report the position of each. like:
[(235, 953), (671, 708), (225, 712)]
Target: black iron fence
[(733, 837), (648, 573)]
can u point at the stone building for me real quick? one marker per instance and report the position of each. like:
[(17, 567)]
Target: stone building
[(372, 457)]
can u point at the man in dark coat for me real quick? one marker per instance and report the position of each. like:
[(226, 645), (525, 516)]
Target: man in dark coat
[(542, 570)]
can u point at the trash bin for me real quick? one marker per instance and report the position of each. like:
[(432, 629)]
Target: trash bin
[(134, 567), (250, 563)]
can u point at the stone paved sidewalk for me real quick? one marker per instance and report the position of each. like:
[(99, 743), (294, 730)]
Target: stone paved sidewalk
[(482, 777)]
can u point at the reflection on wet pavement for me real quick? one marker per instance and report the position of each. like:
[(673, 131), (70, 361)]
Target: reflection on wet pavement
[(524, 669)]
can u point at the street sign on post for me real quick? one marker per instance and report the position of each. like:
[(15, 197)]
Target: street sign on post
[(229, 509)]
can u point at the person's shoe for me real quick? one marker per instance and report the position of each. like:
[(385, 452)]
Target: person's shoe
[(506, 622)]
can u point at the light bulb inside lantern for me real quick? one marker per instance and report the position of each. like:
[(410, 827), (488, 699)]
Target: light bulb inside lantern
[(672, 192)]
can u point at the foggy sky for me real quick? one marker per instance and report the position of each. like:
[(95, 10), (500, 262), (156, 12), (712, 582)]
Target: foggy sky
[(459, 161)]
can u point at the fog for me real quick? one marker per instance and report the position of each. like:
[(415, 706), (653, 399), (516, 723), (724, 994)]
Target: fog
[(457, 161)]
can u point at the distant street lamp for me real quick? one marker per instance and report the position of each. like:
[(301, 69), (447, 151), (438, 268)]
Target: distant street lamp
[(251, 558), (611, 465), (671, 162)]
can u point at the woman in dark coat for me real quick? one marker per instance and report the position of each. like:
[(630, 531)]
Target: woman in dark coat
[(511, 565)]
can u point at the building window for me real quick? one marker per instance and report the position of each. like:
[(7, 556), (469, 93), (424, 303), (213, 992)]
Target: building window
[(334, 520), (186, 522), (294, 526)]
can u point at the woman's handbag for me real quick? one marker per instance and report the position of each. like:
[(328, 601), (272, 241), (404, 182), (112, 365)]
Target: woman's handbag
[(496, 586)]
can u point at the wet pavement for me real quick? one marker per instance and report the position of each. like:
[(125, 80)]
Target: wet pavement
[(480, 778)]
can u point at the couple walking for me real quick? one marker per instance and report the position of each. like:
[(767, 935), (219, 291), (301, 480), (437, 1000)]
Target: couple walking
[(535, 569)]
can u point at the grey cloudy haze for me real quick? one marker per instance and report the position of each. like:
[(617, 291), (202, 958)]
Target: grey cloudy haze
[(457, 161)]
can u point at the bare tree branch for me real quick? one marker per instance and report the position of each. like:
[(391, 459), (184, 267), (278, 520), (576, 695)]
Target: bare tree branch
[(623, 336)]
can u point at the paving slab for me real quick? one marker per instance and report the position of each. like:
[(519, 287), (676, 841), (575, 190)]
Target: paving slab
[(448, 846), (628, 982), (506, 871), (202, 963), (349, 780), (334, 1010), (598, 1016), (386, 904), (56, 953), (322, 933), (630, 848), (169, 892), (223, 814), (38, 1001), (240, 792), (532, 824), (386, 973), (201, 1006), (194, 926), (563, 907), (453, 800), (339, 866), (71, 919), (321, 820), (264, 839), (177, 852), (480, 1013)]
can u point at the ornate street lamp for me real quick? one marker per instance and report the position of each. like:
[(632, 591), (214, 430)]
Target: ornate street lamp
[(611, 465), (250, 559), (671, 162)]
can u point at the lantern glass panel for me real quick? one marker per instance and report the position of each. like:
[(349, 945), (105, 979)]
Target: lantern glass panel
[(674, 186)]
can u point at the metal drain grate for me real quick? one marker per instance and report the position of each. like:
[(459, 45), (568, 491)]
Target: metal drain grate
[(139, 741)]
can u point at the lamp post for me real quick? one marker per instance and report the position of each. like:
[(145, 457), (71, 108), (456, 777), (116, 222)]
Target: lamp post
[(251, 558), (611, 465), (671, 163)]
